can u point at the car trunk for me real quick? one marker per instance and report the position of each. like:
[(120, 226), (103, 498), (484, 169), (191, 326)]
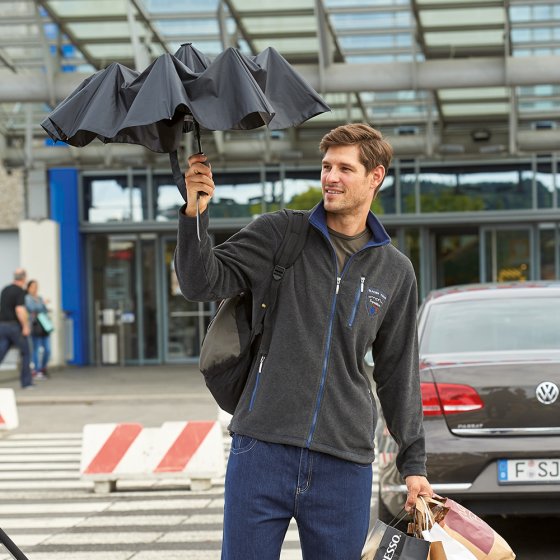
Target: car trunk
[(507, 402)]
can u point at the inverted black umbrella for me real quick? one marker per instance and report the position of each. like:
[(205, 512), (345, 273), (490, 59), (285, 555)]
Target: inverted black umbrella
[(182, 92)]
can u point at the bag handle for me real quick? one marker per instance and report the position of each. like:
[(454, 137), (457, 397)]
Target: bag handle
[(398, 518), (427, 512)]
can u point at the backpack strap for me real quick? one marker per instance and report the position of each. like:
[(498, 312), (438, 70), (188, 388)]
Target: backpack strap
[(292, 244), (290, 249)]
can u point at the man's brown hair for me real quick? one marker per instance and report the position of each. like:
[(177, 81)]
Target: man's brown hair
[(374, 150)]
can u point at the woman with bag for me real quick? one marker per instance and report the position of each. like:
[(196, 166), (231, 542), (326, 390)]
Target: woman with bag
[(40, 329)]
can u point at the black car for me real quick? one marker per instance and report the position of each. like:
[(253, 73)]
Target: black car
[(490, 378)]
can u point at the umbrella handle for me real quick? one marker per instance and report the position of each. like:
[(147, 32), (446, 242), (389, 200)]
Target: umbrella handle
[(199, 194), (179, 179)]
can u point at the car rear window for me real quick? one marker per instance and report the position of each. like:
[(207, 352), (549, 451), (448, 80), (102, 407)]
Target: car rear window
[(492, 325)]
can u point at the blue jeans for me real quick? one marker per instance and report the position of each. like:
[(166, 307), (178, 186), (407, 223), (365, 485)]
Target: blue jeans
[(267, 484), (39, 342), (10, 335)]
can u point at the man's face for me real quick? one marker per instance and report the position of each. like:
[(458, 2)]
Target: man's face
[(347, 188)]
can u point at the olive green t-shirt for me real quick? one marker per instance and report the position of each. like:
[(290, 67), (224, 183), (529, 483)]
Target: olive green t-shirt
[(346, 245)]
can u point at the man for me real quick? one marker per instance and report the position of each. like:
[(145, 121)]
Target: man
[(14, 324), (304, 428)]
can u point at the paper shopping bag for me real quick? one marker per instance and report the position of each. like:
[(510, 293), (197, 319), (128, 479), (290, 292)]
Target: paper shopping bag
[(424, 525), (475, 534), (437, 552), (453, 549), (387, 543)]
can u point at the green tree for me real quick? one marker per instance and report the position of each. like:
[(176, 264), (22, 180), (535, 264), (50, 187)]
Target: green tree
[(446, 202), (377, 206), (305, 200)]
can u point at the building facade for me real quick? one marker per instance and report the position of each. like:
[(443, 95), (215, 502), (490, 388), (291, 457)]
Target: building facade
[(459, 222)]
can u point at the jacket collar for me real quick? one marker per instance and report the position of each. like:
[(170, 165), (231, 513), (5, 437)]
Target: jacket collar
[(318, 219)]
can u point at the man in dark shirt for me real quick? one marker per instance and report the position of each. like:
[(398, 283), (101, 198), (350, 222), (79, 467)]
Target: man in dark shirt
[(14, 324)]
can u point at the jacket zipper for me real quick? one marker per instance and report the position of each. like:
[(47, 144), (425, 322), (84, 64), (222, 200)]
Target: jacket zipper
[(254, 394), (327, 351), (359, 293), (324, 372), (373, 410)]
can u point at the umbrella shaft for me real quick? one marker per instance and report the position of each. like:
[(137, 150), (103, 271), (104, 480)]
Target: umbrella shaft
[(197, 134)]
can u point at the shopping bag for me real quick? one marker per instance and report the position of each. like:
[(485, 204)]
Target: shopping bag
[(431, 531), (37, 329), (437, 552), (387, 543), (453, 549), (45, 322), (474, 533)]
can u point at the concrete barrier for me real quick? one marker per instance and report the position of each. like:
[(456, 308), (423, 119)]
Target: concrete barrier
[(8, 410), (193, 451)]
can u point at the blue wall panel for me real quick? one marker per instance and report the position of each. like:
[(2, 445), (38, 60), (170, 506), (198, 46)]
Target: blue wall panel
[(64, 184)]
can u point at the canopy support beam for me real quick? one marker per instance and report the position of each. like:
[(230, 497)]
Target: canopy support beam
[(345, 77)]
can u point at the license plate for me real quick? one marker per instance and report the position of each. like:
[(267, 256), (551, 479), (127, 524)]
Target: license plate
[(528, 471)]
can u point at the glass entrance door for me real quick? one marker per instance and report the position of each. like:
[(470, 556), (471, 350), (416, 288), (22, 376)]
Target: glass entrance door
[(186, 321), (124, 279), (507, 255), (457, 257)]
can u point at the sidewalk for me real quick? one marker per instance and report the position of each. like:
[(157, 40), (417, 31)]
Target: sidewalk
[(73, 397)]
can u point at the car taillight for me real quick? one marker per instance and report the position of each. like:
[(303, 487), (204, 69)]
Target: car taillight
[(449, 398)]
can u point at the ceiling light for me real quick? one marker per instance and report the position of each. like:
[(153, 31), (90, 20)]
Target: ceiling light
[(451, 149), (481, 135), (492, 149)]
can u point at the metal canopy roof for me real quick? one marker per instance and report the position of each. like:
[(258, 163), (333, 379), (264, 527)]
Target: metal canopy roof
[(339, 45)]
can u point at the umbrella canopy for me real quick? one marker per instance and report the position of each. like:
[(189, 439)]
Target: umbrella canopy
[(233, 92), (181, 92)]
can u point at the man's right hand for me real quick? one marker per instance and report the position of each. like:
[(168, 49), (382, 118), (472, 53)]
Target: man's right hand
[(198, 179)]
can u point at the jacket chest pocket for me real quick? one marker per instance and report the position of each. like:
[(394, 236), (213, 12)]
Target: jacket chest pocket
[(357, 298)]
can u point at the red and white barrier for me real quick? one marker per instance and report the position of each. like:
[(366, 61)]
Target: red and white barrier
[(8, 410), (190, 450)]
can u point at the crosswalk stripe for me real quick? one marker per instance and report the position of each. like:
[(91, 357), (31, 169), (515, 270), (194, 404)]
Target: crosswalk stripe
[(37, 458), (34, 445), (50, 485), (41, 523), (47, 436), (58, 474), (41, 467)]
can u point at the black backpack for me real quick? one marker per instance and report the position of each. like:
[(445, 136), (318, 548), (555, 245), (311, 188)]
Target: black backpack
[(234, 337)]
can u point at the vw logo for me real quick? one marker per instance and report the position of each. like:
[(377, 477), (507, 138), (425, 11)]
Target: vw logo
[(547, 392)]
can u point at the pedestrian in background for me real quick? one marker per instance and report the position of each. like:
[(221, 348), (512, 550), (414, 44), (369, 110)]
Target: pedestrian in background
[(40, 337), (14, 324)]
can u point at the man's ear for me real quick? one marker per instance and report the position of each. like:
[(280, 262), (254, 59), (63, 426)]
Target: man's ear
[(377, 176)]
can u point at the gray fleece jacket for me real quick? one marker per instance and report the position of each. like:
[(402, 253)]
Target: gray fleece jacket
[(312, 390)]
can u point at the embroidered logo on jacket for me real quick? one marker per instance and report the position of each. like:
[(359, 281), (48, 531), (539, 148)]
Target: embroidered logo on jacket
[(375, 301)]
